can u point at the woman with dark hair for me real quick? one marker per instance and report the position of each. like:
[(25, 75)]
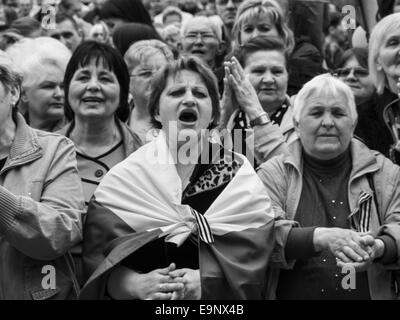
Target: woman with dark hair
[(255, 101), (96, 86), (181, 218), (117, 12), (127, 34), (353, 70)]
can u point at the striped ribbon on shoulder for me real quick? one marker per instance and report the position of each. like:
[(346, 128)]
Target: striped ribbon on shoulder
[(203, 227), (361, 221)]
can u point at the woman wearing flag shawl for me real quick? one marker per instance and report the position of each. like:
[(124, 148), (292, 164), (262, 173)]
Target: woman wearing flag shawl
[(181, 218), (337, 204)]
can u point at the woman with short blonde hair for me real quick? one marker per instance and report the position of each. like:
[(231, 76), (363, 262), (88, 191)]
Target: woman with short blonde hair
[(43, 61), (252, 12)]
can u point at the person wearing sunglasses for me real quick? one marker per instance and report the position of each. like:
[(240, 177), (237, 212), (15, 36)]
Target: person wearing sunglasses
[(353, 70)]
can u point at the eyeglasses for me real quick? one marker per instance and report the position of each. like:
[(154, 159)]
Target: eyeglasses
[(205, 37), (358, 72)]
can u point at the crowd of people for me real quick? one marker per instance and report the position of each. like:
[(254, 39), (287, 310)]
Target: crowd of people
[(213, 149)]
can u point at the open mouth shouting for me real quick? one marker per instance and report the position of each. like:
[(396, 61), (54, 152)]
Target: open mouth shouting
[(188, 116)]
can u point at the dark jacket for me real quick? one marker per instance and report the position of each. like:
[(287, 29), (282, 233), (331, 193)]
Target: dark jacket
[(373, 129)]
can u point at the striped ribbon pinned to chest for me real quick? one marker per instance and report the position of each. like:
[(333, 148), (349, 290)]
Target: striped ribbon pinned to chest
[(203, 227), (361, 220)]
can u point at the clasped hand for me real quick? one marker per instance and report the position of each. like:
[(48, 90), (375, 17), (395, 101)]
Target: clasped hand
[(350, 248), (171, 284)]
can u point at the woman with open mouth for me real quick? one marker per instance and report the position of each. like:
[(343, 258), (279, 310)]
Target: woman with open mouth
[(96, 90), (168, 219)]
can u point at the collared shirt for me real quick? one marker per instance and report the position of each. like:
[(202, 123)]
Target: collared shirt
[(93, 169)]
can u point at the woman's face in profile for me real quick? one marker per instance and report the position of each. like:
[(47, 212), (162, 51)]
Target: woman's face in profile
[(267, 73), (94, 92), (5, 105), (45, 97), (185, 105), (388, 58), (141, 77)]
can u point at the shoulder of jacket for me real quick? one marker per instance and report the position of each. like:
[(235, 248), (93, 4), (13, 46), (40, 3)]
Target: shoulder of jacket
[(129, 136), (50, 138)]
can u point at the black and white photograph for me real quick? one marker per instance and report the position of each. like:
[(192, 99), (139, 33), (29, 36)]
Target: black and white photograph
[(205, 154)]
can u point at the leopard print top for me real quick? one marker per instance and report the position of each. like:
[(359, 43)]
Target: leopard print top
[(218, 173)]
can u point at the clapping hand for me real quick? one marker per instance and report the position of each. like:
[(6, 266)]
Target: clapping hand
[(241, 88)]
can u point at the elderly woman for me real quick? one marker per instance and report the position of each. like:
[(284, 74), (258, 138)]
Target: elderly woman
[(175, 216), (255, 103), (171, 34), (144, 58), (202, 37), (384, 50), (353, 70), (43, 62), (336, 204), (41, 203), (96, 88)]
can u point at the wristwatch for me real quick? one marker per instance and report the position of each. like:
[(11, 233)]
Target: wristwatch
[(261, 120)]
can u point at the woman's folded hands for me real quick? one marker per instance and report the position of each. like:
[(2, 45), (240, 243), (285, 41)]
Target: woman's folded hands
[(350, 248)]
